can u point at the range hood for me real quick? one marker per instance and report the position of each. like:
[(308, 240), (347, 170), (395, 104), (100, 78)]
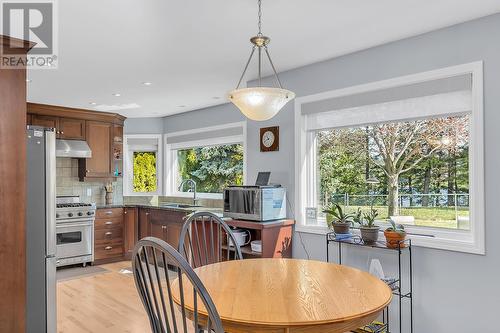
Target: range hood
[(73, 148)]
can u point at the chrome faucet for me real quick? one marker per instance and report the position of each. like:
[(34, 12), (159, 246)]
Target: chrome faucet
[(192, 188)]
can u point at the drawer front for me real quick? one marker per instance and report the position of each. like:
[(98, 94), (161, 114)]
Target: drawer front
[(108, 223), (109, 213), (105, 236), (108, 250)]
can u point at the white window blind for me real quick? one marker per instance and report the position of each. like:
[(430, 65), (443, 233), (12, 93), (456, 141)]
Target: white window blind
[(440, 97)]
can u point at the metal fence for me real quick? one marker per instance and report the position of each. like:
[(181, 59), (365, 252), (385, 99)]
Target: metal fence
[(458, 201), (434, 210)]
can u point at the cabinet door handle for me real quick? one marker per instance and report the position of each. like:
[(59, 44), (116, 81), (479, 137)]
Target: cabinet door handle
[(109, 233), (108, 223), (147, 213), (109, 212), (107, 248), (164, 227), (125, 212), (62, 132)]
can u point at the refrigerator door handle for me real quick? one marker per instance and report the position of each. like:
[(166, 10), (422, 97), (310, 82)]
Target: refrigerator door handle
[(50, 188), (51, 290)]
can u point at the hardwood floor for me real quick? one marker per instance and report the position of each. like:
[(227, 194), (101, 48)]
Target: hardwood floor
[(101, 303)]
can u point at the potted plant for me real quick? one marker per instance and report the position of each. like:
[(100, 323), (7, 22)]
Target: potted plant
[(357, 217), (339, 220), (369, 231), (395, 235)]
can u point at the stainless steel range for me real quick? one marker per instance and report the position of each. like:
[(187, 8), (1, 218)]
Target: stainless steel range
[(75, 231)]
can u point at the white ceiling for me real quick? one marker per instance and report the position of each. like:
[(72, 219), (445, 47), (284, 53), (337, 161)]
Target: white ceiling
[(193, 51)]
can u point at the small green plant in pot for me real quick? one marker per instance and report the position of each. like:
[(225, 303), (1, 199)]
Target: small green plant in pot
[(395, 235), (339, 220), (369, 231)]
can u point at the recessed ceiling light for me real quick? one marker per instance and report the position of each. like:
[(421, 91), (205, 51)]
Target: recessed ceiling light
[(93, 103), (216, 97), (117, 94), (147, 83)]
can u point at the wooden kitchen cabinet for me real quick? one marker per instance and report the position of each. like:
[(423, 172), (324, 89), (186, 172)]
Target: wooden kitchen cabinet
[(144, 222), (71, 129), (117, 230), (276, 238), (45, 121), (66, 128), (161, 223), (99, 136), (131, 230), (103, 132), (158, 230), (108, 235)]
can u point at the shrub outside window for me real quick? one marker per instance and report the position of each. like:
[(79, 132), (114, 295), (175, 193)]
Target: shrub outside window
[(145, 174)]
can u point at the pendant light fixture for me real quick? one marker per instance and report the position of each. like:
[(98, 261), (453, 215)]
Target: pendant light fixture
[(260, 103)]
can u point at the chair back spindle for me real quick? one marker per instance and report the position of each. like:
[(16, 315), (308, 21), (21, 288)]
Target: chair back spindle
[(205, 240), (155, 264)]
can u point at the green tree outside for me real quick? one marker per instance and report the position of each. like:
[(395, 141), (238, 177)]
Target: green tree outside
[(145, 176), (213, 167)]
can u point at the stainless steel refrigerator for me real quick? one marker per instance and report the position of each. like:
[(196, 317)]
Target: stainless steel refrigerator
[(41, 230)]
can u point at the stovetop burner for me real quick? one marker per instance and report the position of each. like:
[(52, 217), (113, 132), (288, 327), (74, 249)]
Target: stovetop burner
[(72, 205)]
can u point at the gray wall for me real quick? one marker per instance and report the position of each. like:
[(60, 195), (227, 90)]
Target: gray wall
[(212, 116), (143, 126), (454, 292)]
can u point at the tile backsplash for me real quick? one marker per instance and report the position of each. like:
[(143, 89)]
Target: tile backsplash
[(68, 184)]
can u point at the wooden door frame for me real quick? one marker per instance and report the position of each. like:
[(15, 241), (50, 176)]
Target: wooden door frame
[(12, 201)]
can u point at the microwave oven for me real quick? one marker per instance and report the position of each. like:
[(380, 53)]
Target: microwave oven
[(255, 203)]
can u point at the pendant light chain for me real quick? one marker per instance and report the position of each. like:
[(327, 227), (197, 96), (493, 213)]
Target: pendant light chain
[(260, 103), (259, 47), (260, 17)]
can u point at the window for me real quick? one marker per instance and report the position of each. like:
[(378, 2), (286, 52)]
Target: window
[(143, 164), (212, 167), (416, 172), (214, 157), (410, 147)]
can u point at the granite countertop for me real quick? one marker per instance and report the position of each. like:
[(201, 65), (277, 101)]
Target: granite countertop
[(164, 207)]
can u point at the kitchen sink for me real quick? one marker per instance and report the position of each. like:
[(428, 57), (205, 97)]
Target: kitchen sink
[(178, 205)]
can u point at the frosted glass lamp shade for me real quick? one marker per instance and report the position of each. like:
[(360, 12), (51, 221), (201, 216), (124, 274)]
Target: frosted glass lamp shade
[(260, 103)]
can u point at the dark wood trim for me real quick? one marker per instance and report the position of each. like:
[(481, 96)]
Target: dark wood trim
[(12, 201), (16, 43), (66, 112)]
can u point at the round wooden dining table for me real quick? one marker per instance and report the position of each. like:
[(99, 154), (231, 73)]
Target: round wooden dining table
[(289, 295)]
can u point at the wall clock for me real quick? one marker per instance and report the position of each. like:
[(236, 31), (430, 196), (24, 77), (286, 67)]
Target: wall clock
[(270, 139)]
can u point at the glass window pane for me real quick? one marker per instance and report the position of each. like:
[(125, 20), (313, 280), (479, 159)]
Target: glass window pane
[(145, 176), (416, 172), (212, 168)]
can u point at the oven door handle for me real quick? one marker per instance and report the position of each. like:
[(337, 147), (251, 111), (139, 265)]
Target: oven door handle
[(77, 220), (72, 225)]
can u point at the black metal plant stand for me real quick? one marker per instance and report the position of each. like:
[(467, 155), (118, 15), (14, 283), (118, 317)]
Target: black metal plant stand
[(403, 246)]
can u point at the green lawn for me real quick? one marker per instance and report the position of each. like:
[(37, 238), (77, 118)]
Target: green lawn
[(440, 217)]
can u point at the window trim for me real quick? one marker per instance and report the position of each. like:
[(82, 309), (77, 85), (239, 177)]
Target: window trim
[(171, 155), (128, 165), (472, 241)]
